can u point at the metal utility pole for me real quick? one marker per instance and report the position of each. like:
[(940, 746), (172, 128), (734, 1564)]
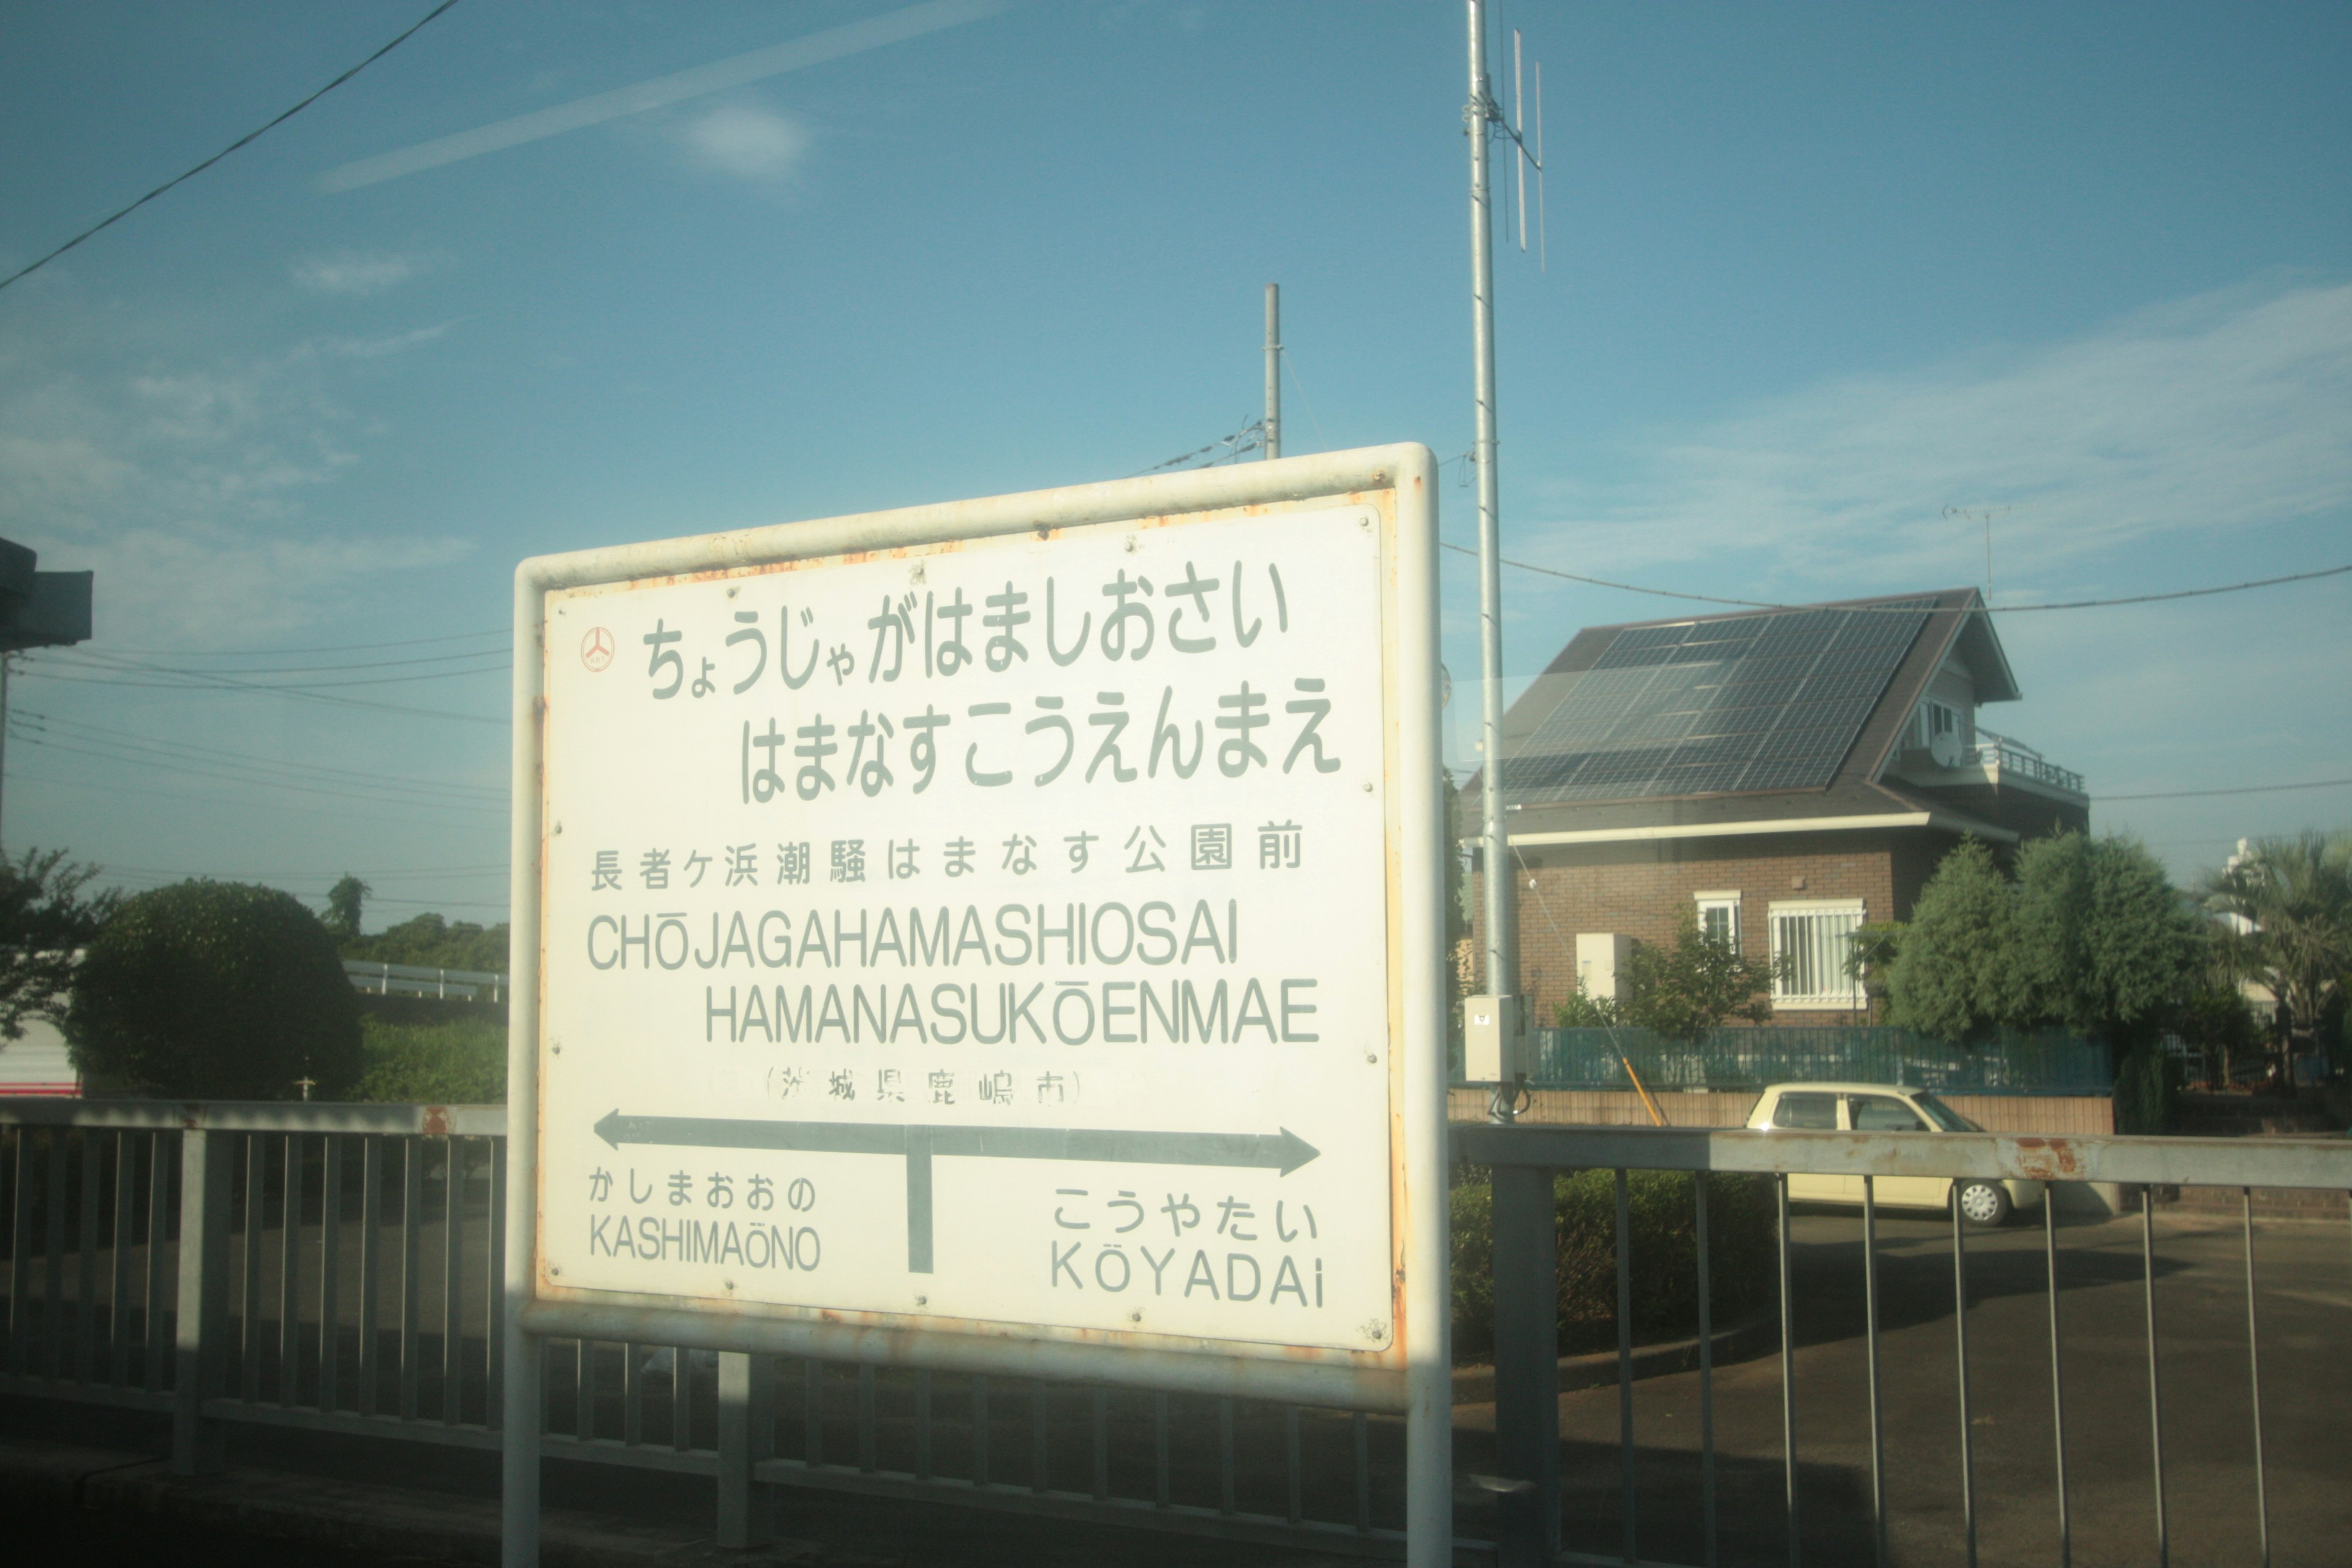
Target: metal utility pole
[(5, 662), (1273, 370), (1501, 906)]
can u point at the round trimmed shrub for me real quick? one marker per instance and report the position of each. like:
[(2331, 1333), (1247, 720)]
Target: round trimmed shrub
[(214, 991), (1664, 1238)]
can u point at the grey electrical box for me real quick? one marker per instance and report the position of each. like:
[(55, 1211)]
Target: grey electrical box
[(40, 609), (1490, 1040)]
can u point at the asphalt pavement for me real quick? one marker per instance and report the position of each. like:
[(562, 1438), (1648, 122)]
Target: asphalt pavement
[(2303, 1300)]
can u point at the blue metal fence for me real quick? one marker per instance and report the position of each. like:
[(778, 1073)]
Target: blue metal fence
[(2050, 1062)]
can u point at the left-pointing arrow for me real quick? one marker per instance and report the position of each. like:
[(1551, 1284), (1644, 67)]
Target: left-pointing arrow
[(1284, 1150)]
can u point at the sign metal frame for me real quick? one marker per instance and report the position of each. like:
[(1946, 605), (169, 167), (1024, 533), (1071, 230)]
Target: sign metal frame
[(1411, 1374)]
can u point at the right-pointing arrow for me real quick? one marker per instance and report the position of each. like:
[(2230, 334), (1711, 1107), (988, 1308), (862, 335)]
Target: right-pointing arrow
[(1283, 1151)]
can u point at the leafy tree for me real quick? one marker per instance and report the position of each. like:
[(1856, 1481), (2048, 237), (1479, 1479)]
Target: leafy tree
[(214, 990), (1584, 1011), (432, 941), (2104, 942), (2295, 896), (2090, 937), (1953, 975), (345, 901), (44, 923), (2216, 1018), (1875, 945), (1681, 991)]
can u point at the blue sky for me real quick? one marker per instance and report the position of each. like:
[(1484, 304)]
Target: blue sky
[(1816, 275)]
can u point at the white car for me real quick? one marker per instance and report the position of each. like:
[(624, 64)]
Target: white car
[(1885, 1108)]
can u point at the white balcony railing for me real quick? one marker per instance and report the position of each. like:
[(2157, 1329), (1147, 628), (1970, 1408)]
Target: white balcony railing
[(2003, 755)]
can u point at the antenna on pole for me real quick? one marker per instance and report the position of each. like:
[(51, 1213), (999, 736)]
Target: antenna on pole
[(1518, 131), (1518, 134), (1273, 434), (1983, 514)]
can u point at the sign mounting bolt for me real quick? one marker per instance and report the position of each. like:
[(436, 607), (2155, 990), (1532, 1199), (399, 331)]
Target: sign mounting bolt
[(922, 1301)]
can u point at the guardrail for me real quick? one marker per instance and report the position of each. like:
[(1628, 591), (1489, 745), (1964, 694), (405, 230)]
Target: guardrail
[(417, 980), (337, 1267)]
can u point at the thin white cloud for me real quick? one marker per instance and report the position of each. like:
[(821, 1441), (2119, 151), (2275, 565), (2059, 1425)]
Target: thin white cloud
[(739, 70), (391, 343), (2224, 412), (351, 274), (195, 491), (745, 141)]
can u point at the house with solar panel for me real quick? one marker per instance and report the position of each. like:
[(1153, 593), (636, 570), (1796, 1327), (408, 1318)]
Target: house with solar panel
[(1785, 777)]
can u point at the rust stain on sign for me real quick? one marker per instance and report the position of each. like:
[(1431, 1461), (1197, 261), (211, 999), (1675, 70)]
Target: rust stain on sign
[(436, 1122)]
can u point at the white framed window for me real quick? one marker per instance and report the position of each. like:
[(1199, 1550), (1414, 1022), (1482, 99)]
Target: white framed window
[(1811, 941), (1938, 718), (1718, 918)]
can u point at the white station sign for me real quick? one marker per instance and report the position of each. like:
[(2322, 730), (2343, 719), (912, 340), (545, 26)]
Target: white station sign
[(993, 932)]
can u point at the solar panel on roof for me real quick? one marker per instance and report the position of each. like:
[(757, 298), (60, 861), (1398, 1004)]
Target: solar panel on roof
[(1756, 702)]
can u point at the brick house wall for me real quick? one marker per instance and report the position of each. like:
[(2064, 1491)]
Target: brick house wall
[(1640, 888)]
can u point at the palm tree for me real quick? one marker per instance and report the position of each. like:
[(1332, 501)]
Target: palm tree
[(2293, 901)]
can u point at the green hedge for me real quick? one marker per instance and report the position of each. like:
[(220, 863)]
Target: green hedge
[(458, 1063), (1664, 1229)]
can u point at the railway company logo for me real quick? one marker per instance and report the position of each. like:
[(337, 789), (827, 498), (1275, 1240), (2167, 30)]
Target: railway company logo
[(596, 648)]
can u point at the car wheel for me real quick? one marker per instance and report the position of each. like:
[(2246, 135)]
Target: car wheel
[(1984, 1204)]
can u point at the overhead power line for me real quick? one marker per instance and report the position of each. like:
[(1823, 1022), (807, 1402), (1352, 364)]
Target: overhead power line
[(179, 799), (1250, 438), (41, 668), (125, 211), (115, 658), (124, 746), (182, 675), (2241, 789), (285, 652), (2000, 609), (77, 729), (248, 779)]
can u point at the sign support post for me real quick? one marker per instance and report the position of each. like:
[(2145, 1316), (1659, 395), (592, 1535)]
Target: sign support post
[(1002, 937)]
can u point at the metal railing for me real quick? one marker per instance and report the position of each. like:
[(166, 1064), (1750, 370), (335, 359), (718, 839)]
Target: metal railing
[(420, 980), (2004, 755), (336, 1267), (1524, 1159)]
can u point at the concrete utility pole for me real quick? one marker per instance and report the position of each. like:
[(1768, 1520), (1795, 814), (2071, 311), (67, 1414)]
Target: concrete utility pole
[(1501, 906), (1273, 370)]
